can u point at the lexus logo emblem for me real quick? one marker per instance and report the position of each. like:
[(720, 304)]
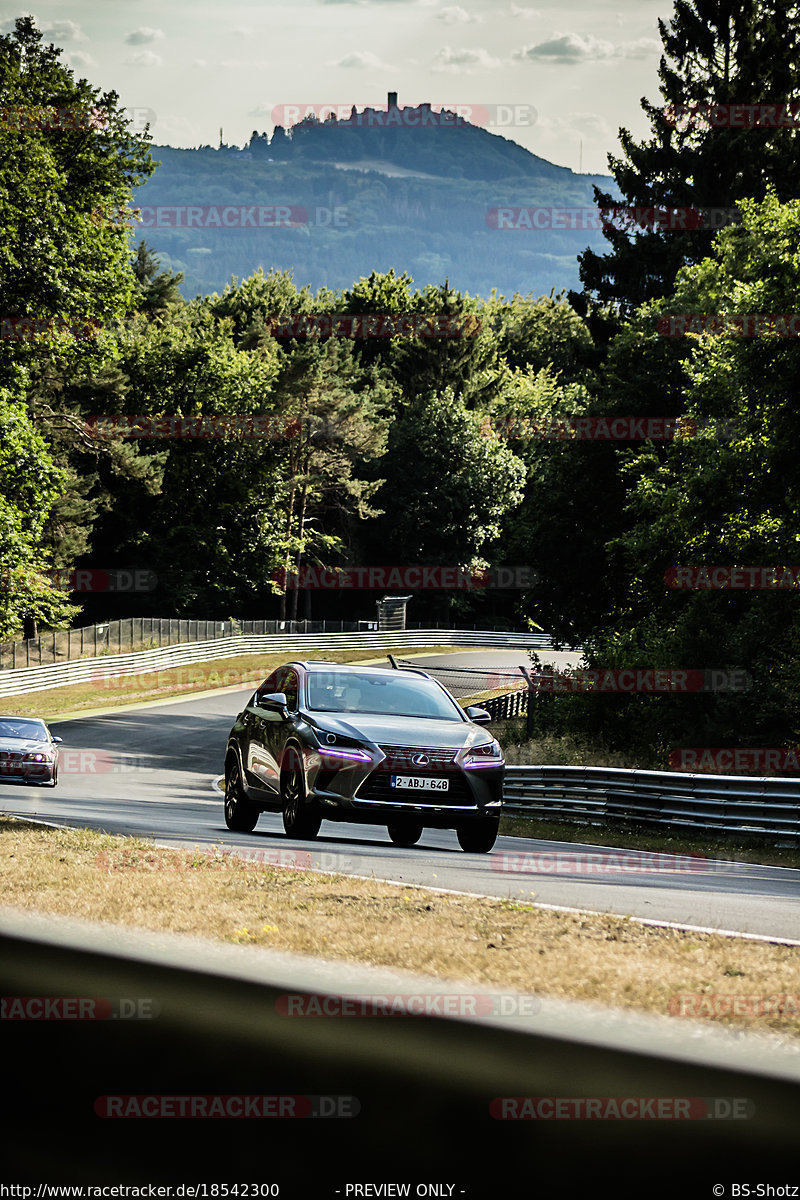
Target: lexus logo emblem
[(420, 760)]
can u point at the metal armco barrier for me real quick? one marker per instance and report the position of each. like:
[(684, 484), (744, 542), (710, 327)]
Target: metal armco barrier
[(753, 807), (83, 670), (429, 1089)]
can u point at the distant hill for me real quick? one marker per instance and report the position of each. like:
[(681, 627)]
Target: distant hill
[(334, 200)]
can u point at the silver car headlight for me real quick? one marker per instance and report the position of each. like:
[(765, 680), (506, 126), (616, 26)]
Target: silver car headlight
[(487, 755), (334, 748)]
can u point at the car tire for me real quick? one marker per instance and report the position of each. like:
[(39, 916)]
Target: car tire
[(241, 815), (300, 819), (404, 833), (478, 837)]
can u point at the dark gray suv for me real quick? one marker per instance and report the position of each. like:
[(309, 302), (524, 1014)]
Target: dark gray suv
[(322, 741)]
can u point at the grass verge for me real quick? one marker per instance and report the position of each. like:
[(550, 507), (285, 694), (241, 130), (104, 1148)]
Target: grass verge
[(730, 849), (609, 960)]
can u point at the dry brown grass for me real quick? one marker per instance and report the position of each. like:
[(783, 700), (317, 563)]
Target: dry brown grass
[(605, 959)]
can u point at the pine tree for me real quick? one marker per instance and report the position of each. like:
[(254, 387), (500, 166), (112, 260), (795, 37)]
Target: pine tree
[(716, 52)]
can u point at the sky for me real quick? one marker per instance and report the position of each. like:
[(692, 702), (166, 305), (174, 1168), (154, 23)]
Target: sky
[(564, 76)]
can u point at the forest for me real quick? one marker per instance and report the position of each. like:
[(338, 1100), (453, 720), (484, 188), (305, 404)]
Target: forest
[(604, 438)]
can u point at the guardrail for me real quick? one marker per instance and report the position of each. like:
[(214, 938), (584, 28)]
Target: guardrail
[(109, 666), (136, 634), (751, 806)]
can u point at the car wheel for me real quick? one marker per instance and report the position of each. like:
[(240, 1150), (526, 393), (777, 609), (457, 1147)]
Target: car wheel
[(241, 815), (478, 837), (404, 833), (300, 819)]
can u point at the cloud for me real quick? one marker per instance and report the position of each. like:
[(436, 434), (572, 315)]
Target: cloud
[(568, 48), (143, 58), (580, 124), (455, 15), (200, 62), (527, 14), (78, 58), (64, 31), (143, 35), (361, 60), (463, 61), (573, 48), (641, 48)]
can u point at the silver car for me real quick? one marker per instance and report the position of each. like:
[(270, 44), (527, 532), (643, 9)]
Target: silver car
[(28, 752)]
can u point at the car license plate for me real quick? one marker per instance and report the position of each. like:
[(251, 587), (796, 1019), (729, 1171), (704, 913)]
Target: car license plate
[(420, 783)]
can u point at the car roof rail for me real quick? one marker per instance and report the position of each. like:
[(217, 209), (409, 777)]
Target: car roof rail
[(416, 670)]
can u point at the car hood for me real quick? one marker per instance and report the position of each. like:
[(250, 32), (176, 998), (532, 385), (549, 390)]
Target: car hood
[(422, 732), (24, 746)]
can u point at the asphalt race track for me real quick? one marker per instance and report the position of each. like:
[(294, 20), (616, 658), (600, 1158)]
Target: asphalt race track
[(151, 771)]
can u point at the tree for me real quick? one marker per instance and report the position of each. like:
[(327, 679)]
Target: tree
[(447, 488), (571, 493), (326, 491), (157, 292), (727, 497), (29, 485), (199, 512), (69, 163), (717, 52)]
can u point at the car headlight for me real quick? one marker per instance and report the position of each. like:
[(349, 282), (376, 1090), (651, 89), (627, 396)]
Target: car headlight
[(35, 758), (487, 755), (336, 748)]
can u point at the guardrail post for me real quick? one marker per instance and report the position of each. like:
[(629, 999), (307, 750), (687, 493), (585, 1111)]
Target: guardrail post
[(529, 707)]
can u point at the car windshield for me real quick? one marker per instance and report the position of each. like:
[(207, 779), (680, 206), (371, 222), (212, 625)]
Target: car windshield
[(387, 694), (11, 727)]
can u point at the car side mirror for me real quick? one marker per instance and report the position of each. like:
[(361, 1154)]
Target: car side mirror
[(58, 739), (274, 703), (479, 716)]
